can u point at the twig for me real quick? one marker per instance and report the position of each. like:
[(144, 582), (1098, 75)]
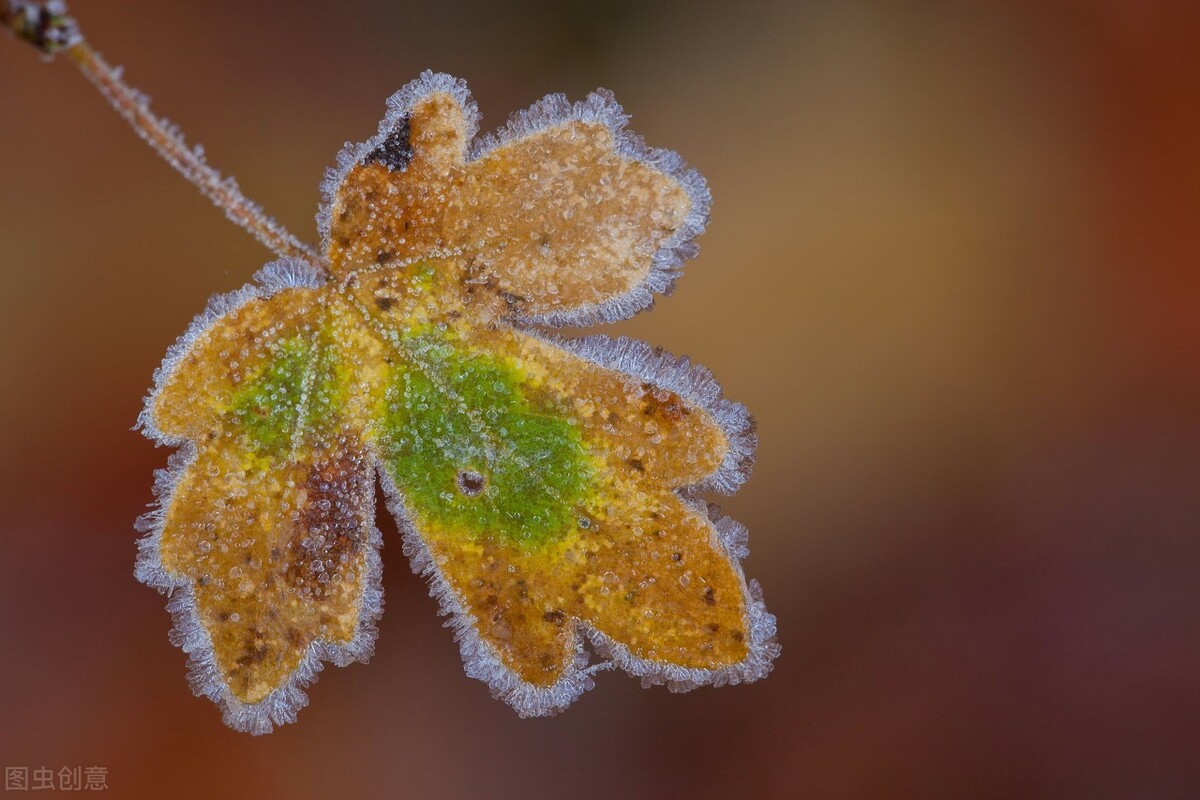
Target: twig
[(49, 27)]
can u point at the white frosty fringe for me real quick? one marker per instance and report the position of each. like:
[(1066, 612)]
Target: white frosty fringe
[(691, 382), (733, 535), (599, 107), (188, 633), (289, 273)]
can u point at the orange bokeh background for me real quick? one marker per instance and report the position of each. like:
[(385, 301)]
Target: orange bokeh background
[(952, 268)]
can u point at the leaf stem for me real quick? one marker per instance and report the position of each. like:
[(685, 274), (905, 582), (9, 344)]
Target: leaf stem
[(49, 27)]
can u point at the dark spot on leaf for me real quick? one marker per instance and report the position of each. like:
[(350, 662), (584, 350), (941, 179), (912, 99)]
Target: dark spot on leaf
[(256, 649), (470, 483), (384, 302), (636, 463), (710, 597), (556, 616), (662, 403), (395, 151)]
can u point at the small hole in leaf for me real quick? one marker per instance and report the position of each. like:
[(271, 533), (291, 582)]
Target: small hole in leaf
[(470, 483)]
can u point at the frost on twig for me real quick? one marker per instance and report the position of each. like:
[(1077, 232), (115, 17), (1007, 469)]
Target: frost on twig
[(51, 29)]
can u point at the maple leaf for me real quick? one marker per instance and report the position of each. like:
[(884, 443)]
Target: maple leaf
[(548, 487)]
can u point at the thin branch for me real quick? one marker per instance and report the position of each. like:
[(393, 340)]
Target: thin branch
[(49, 27)]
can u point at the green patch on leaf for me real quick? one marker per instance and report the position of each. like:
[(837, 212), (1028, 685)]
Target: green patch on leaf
[(293, 388), (470, 454)]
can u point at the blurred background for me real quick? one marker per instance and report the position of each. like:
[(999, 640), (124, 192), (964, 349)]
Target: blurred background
[(952, 269)]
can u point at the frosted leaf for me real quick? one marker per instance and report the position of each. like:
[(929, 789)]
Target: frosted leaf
[(546, 487)]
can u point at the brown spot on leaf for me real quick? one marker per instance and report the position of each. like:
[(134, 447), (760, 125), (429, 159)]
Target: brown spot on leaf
[(663, 404), (330, 529)]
